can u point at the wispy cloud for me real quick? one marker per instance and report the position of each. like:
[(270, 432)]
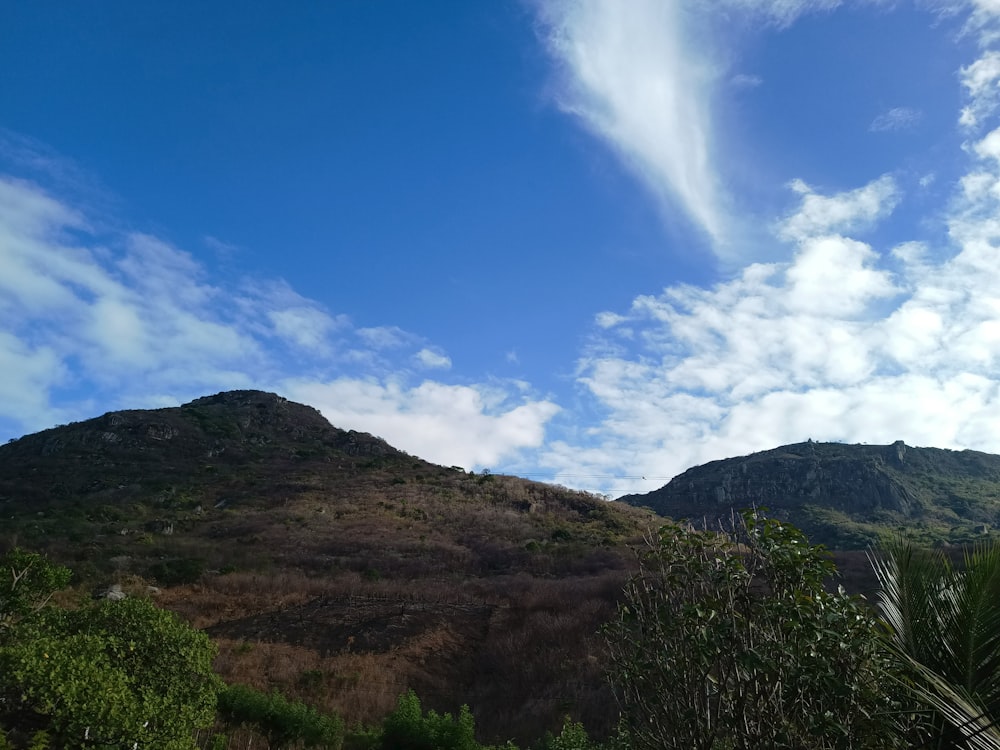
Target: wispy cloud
[(780, 13), (746, 81), (642, 76), (895, 119), (221, 248), (841, 342), (432, 360), (981, 80), (385, 337), (124, 319), (632, 76)]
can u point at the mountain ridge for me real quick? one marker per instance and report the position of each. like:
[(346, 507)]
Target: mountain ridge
[(844, 495), (331, 566)]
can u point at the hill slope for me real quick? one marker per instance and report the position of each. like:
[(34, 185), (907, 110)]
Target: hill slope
[(845, 495), (331, 565)]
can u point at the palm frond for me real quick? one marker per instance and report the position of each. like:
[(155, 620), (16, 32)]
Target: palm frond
[(944, 626), (964, 713), (912, 582)]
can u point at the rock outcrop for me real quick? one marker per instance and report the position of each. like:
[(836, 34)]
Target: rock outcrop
[(879, 484)]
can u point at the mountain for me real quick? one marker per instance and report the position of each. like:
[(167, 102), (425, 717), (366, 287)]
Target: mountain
[(845, 496), (330, 565)]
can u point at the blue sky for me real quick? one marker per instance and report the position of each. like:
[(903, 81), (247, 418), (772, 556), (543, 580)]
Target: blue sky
[(593, 242)]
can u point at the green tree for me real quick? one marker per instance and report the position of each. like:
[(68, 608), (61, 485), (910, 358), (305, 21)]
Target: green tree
[(27, 582), (572, 737), (731, 640), (283, 721), (115, 673), (944, 624), (408, 728)]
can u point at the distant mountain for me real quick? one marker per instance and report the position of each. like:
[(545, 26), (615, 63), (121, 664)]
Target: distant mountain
[(328, 564), (845, 495)]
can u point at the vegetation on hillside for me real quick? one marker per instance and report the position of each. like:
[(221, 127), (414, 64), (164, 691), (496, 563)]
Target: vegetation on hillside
[(723, 641), (731, 640), (846, 496), (335, 574), (331, 567)]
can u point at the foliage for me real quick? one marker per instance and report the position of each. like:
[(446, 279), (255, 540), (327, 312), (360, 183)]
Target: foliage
[(408, 728), (27, 582), (283, 721), (730, 640), (945, 624), (114, 673), (572, 737), (301, 511)]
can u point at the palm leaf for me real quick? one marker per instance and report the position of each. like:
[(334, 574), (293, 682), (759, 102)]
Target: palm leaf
[(944, 625)]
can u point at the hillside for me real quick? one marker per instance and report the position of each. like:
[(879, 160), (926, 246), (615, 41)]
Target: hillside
[(845, 495), (330, 565)]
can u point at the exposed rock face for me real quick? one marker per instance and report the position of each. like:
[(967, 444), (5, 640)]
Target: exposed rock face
[(796, 476), (879, 483)]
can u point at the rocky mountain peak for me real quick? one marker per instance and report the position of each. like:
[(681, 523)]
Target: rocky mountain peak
[(827, 487)]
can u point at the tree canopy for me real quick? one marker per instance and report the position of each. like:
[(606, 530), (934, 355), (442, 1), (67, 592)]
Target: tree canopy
[(112, 673), (732, 640)]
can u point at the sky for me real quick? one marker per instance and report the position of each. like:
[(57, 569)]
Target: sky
[(594, 242)]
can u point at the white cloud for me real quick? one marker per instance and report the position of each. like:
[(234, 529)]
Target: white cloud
[(221, 248), (831, 345), (781, 13), (432, 360), (642, 76), (982, 20), (129, 321), (609, 319), (746, 81), (307, 326), (29, 373), (895, 119), (470, 426), (981, 80), (848, 211), (385, 337), (635, 78)]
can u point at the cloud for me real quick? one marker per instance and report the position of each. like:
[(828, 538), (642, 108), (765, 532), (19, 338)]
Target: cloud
[(848, 211), (221, 248), (423, 419), (895, 119), (385, 337), (780, 13), (107, 319), (982, 19), (306, 326), (642, 77), (632, 76), (840, 342), (746, 81), (29, 374), (981, 80), (431, 360)]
